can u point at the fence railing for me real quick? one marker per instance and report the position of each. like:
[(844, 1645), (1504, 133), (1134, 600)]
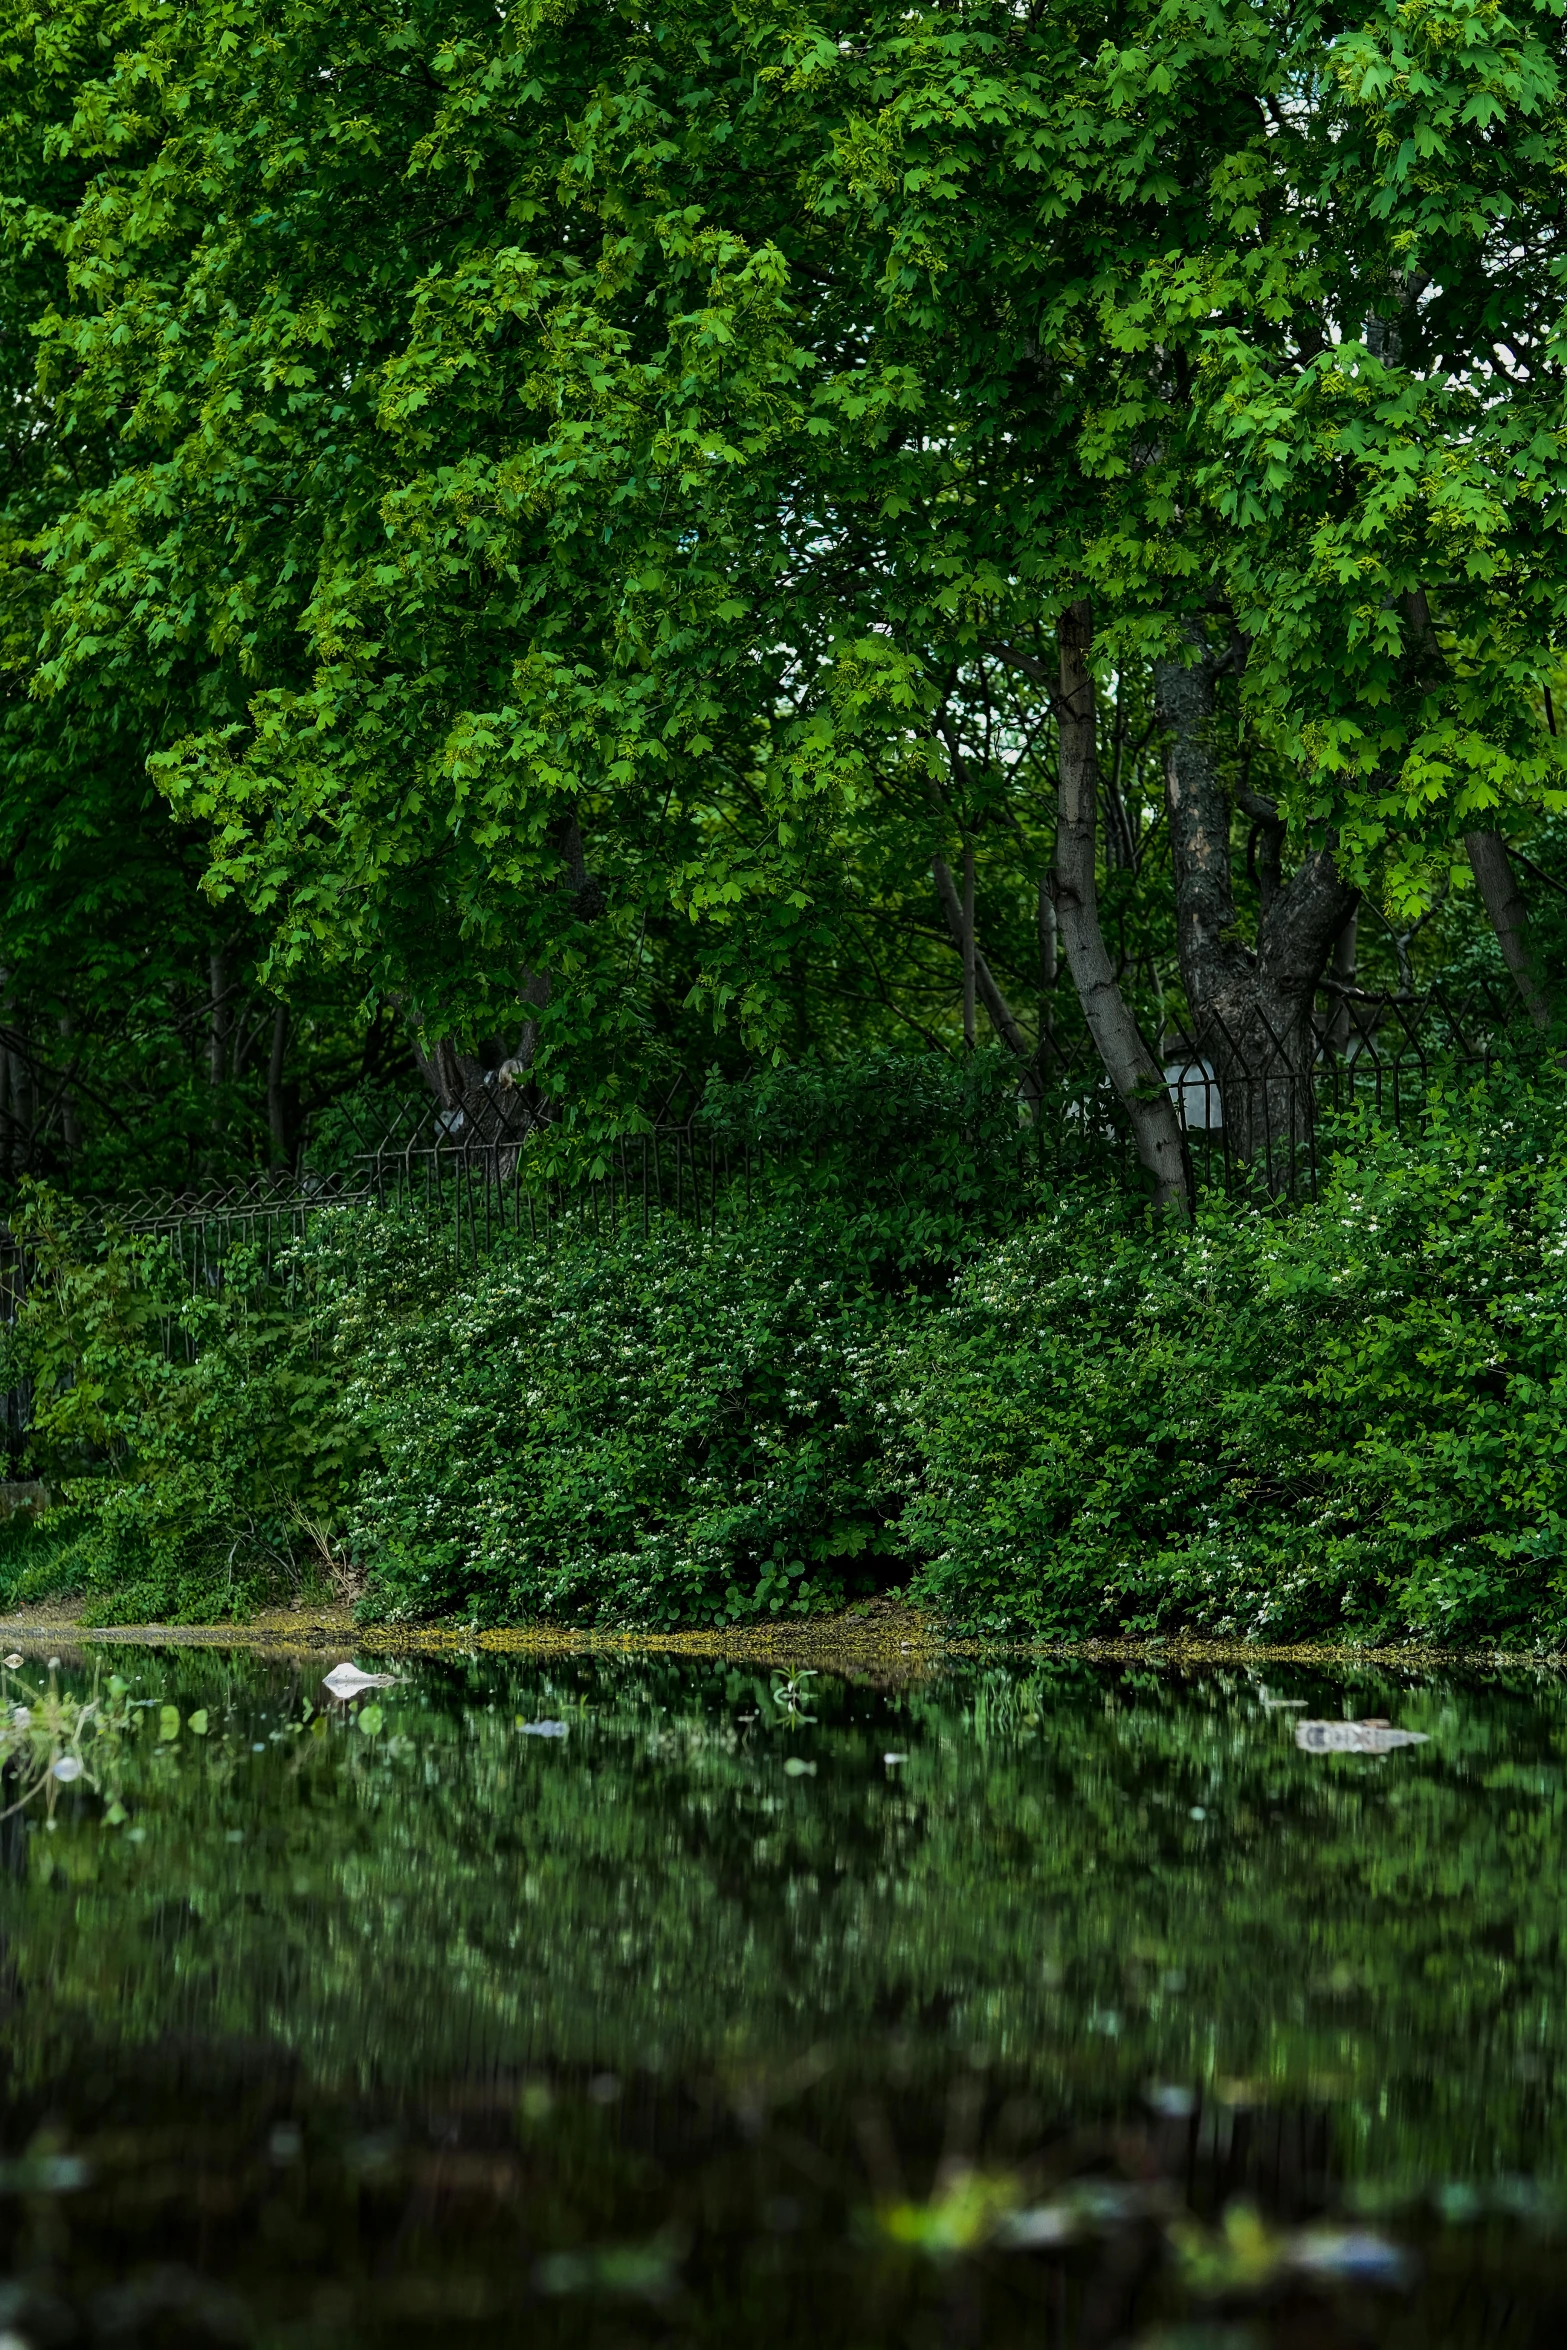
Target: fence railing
[(1254, 1103)]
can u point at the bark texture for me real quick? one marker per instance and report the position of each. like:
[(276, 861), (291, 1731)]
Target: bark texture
[(489, 1097), (959, 913), (1251, 1007), (277, 1100), (1345, 947), (1504, 901), (487, 1100), (1135, 1074)]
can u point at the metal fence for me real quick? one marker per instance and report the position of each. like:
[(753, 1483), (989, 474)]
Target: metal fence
[(1256, 1107)]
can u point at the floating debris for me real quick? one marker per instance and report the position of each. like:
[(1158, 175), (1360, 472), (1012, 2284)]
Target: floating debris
[(1246, 2256), (1039, 2229), (1350, 2257), (346, 1680), (1354, 1737)]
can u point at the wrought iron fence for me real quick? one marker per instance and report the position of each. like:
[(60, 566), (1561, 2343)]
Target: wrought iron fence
[(480, 1177), (1255, 1107)]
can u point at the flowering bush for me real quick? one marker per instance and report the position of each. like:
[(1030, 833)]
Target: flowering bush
[(668, 1431), (1349, 1416)]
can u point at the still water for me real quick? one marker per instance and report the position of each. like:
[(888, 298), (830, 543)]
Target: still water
[(610, 2001)]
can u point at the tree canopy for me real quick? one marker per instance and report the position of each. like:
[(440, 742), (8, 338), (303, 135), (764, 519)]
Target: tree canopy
[(603, 542)]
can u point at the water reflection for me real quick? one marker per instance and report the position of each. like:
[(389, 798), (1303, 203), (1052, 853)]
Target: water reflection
[(631, 2001)]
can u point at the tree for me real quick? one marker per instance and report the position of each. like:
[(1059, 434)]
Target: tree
[(590, 472)]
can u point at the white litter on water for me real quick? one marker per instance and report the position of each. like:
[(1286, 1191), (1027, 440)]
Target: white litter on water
[(1350, 2257), (1039, 2229), (347, 1680), (1354, 1737)]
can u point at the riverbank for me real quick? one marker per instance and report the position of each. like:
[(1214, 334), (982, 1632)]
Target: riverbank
[(885, 1636)]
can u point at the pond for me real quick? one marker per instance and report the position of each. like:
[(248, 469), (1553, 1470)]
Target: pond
[(614, 2000)]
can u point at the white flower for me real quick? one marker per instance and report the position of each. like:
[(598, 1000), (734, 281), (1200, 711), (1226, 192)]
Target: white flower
[(13, 1663), (67, 1769)]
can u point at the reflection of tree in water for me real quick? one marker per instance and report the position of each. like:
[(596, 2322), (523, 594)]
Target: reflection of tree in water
[(13, 1827), (595, 2036)]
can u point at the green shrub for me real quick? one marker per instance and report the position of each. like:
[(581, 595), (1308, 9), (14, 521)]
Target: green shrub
[(198, 1436), (659, 1431), (920, 1156), (1349, 1417), (670, 1431)]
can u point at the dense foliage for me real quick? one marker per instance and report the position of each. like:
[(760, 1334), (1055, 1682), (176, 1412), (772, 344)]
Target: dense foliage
[(564, 560), (1348, 1418), (545, 538)]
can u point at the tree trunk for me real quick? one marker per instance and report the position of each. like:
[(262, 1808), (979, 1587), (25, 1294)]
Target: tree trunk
[(1132, 1069), (966, 933), (277, 1101), (498, 1107), (70, 1120), (1505, 903), (1341, 1026), (1049, 967), (960, 921), (1488, 859), (1251, 1008), (484, 1107), (217, 1016)]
